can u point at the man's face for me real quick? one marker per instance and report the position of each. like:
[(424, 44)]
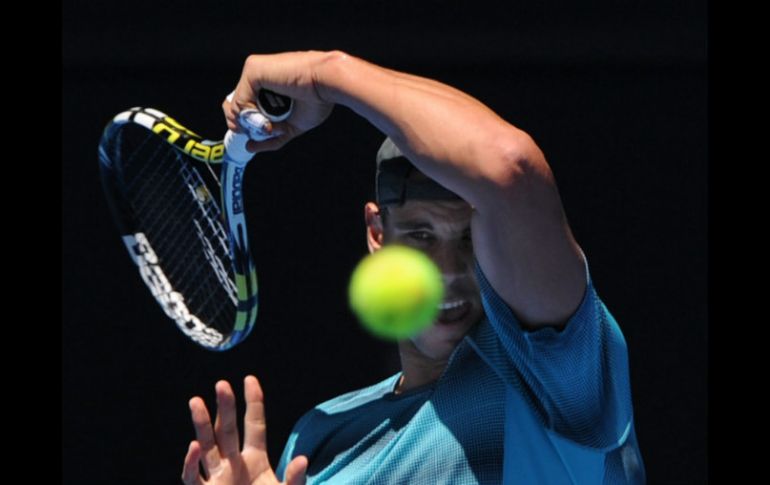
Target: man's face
[(442, 230)]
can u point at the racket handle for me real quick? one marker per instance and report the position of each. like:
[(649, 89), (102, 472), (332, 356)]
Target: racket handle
[(235, 148), (276, 107)]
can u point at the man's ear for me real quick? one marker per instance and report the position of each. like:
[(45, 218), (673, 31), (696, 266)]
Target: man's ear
[(374, 228)]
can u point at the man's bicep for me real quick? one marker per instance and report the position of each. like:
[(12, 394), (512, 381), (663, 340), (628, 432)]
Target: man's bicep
[(524, 245)]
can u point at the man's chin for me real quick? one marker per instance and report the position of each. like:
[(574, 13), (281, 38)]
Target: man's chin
[(451, 331)]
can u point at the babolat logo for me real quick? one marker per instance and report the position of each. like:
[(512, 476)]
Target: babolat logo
[(189, 142), (171, 301), (237, 193)]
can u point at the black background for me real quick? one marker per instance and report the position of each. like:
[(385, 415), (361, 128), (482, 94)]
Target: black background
[(613, 92)]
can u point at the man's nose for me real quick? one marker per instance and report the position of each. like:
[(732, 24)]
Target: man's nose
[(452, 262)]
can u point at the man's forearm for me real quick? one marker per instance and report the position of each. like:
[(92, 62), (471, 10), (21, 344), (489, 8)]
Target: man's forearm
[(449, 135)]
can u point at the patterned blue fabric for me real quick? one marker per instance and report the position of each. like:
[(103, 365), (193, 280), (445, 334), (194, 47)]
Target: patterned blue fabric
[(513, 407)]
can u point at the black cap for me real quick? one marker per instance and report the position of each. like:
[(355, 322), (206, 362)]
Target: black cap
[(394, 184)]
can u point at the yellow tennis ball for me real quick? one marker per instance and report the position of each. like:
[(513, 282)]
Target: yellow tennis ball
[(395, 292)]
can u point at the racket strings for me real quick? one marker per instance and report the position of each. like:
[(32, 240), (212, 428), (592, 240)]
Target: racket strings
[(128, 163), (217, 265), (214, 175), (184, 223)]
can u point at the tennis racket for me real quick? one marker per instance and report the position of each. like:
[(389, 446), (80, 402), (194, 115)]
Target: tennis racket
[(178, 202)]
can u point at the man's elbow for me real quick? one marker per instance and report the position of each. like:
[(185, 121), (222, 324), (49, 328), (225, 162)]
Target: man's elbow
[(518, 160)]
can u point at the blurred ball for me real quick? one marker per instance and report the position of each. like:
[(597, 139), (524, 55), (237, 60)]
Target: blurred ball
[(395, 292)]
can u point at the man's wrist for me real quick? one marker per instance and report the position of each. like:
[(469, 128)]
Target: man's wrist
[(329, 74)]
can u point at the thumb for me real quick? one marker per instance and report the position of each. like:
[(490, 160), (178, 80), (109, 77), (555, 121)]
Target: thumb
[(295, 471)]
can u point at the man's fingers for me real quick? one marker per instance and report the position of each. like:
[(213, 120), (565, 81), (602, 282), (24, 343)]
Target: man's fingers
[(204, 433), (190, 475), (254, 425), (226, 427), (296, 470), (229, 117)]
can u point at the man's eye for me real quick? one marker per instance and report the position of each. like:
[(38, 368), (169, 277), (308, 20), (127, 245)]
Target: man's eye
[(420, 236)]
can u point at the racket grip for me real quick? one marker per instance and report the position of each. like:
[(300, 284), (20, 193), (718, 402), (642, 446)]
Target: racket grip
[(258, 128), (235, 148)]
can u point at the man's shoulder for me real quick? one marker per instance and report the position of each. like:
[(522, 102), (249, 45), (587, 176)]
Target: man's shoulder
[(338, 416)]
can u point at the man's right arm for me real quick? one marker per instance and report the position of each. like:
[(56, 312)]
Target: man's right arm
[(520, 233)]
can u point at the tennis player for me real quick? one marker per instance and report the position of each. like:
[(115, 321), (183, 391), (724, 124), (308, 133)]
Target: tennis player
[(522, 379)]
